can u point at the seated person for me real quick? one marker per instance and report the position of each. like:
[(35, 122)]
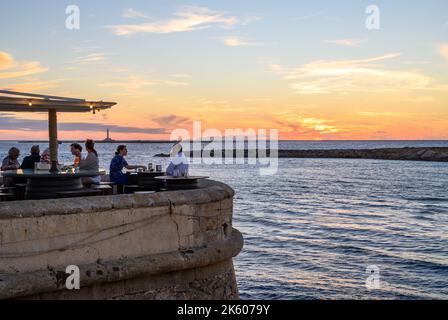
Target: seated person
[(29, 161), (75, 150), (90, 163), (11, 162), (118, 163), (46, 157), (178, 166)]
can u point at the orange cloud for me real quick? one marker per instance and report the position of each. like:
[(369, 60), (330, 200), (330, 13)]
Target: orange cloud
[(15, 69), (33, 86), (443, 49), (6, 60)]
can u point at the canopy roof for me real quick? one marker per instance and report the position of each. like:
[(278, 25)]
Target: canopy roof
[(11, 101)]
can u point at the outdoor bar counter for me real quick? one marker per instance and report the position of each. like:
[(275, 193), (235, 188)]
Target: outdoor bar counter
[(164, 245)]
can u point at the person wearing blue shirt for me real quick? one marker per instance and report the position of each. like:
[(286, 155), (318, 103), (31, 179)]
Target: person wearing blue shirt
[(118, 163)]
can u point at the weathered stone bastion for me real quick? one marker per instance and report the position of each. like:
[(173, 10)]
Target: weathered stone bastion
[(166, 245)]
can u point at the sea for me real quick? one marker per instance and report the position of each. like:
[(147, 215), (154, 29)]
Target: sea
[(328, 228)]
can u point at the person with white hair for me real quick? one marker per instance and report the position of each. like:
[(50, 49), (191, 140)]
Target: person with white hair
[(11, 161), (46, 157), (178, 166)]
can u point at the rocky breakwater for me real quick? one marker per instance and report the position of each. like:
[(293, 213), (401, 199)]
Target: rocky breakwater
[(414, 154), (166, 245)]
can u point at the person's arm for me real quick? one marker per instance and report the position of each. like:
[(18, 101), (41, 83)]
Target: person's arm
[(7, 166), (10, 167), (131, 167)]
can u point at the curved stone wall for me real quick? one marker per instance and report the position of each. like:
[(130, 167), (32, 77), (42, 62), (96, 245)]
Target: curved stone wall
[(166, 245)]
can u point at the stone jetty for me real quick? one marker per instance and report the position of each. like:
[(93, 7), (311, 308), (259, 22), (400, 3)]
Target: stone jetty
[(412, 154)]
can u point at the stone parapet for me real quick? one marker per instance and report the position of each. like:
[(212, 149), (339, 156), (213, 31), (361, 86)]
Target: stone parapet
[(168, 244)]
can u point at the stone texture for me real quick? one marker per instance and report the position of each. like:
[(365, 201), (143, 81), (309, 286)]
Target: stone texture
[(124, 245), (138, 274)]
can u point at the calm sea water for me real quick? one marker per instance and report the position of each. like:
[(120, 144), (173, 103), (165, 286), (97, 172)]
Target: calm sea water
[(312, 229)]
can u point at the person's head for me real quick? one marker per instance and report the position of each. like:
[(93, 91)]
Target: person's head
[(14, 153), (176, 149), (35, 150), (90, 146), (121, 150), (75, 149)]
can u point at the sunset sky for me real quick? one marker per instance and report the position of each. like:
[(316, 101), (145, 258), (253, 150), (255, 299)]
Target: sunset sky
[(312, 70)]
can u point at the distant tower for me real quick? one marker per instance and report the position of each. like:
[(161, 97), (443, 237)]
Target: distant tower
[(108, 139)]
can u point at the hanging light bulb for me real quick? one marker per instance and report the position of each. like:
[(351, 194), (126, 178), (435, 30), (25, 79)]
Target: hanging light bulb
[(30, 104)]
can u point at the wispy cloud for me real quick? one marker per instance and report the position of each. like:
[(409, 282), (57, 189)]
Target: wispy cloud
[(347, 42), (139, 85), (374, 114), (83, 48), (33, 86), (172, 121), (421, 99), (181, 76), (309, 16), (239, 42), (93, 58), (189, 19), (341, 76), (320, 14), (10, 68), (250, 19), (132, 14), (443, 49)]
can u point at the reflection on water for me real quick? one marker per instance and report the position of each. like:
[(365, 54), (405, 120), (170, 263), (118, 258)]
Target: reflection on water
[(312, 230)]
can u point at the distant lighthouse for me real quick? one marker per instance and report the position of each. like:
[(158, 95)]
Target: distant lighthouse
[(108, 139)]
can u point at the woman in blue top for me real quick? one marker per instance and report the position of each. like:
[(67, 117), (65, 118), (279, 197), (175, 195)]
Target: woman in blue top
[(118, 163)]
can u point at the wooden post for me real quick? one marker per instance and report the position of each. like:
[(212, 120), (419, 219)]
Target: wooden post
[(53, 134)]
